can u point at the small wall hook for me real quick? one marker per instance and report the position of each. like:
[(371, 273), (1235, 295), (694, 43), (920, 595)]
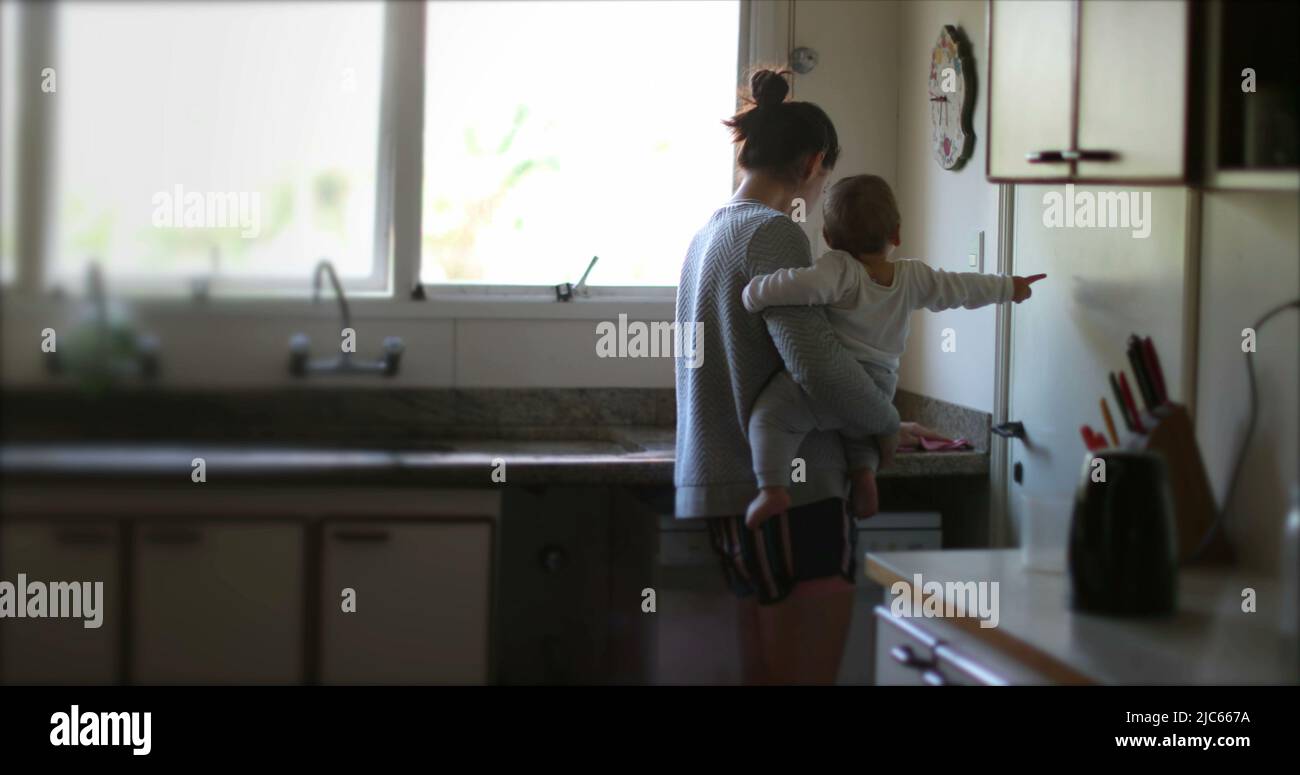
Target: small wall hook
[(803, 60)]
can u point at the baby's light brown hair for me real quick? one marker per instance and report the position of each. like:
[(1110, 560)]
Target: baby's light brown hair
[(860, 214)]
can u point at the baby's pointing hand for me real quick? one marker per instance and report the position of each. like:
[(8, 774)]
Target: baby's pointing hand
[(1021, 285)]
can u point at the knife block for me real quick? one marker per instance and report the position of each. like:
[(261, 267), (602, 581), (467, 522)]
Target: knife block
[(1169, 432)]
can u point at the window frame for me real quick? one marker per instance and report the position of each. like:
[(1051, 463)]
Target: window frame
[(767, 17), (38, 32)]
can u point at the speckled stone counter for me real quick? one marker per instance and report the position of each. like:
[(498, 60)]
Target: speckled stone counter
[(629, 456)]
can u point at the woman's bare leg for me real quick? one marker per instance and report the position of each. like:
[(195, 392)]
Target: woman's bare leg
[(799, 640)]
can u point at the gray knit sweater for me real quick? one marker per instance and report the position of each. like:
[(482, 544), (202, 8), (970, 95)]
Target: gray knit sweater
[(741, 352)]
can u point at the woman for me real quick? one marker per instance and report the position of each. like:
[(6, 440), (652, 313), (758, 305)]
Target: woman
[(794, 575)]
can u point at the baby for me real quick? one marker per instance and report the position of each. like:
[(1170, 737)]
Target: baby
[(869, 301)]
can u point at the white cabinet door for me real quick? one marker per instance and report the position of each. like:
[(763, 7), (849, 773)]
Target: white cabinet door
[(422, 593), (1132, 85), (63, 650), (1030, 84), (1133, 88), (217, 603)]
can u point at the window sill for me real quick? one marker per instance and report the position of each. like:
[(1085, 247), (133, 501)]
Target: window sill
[(435, 307)]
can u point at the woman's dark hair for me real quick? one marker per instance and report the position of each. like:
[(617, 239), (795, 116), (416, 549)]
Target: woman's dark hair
[(776, 135)]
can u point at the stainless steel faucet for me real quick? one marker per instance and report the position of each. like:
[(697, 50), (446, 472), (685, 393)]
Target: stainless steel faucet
[(300, 364), (326, 268)]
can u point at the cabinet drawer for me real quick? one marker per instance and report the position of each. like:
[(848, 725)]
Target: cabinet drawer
[(912, 654), (904, 652), (958, 669)]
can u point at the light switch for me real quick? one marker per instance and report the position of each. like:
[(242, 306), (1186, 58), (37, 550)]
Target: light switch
[(975, 258)]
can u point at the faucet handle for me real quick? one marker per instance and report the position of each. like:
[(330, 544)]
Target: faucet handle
[(299, 346), (566, 291), (393, 349)]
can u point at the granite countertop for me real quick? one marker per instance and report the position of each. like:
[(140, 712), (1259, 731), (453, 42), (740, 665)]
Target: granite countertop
[(626, 456), (1209, 640)]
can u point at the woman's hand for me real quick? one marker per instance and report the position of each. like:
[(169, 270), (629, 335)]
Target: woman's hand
[(911, 433)]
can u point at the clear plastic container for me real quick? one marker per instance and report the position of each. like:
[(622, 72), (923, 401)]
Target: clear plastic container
[(1045, 530)]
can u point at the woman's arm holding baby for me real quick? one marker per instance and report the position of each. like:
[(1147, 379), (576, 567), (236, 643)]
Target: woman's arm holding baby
[(825, 282)]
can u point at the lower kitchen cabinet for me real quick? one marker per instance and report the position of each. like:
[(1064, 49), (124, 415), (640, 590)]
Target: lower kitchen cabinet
[(62, 651), (217, 603), (931, 652), (422, 594), (555, 586), (244, 586)]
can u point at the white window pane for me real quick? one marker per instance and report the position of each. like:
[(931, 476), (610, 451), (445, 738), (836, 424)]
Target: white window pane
[(555, 131), (235, 137), (8, 127)]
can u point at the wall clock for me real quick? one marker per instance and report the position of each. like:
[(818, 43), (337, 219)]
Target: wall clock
[(952, 99)]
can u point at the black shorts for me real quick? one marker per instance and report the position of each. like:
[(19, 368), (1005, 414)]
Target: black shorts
[(809, 542)]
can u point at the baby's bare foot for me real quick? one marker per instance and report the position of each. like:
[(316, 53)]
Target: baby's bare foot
[(864, 501), (770, 502)]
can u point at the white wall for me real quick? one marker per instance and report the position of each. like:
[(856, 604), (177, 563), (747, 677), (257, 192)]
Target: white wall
[(855, 82), (465, 344), (942, 210), (1250, 262)]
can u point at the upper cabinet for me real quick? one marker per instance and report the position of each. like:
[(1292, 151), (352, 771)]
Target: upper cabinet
[(1251, 71), (1088, 90)]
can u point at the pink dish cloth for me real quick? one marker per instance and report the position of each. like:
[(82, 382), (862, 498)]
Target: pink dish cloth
[(939, 445)]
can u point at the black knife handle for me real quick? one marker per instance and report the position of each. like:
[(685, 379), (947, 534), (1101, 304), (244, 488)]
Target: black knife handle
[(1140, 374), (1119, 402)]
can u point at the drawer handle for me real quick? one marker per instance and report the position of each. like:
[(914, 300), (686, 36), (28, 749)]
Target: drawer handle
[(76, 537), (904, 655), (934, 678), (1082, 155), (174, 537), (1046, 157), (362, 536), (1010, 430)]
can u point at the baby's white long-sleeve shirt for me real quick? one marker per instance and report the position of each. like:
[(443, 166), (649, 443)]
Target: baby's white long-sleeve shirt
[(872, 320)]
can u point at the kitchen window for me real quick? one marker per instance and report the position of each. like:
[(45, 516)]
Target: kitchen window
[(451, 146), (8, 145), (228, 145), (558, 131)]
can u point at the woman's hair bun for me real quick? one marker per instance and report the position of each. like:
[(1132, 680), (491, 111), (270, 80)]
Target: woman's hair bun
[(776, 135), (769, 87)]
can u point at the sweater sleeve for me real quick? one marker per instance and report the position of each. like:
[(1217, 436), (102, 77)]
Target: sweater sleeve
[(936, 290), (825, 282), (812, 353)]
